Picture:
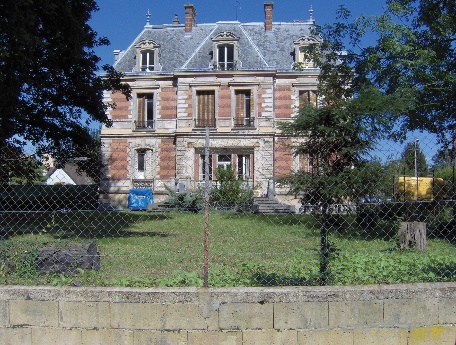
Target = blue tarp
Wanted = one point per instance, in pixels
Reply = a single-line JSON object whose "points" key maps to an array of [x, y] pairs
{"points": [[139, 198]]}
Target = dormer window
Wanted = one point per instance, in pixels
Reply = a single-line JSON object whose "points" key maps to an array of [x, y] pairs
{"points": [[225, 51], [147, 60], [303, 58], [147, 56], [225, 57]]}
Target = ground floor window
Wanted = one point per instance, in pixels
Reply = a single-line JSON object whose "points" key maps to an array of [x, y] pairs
{"points": [[240, 163]]}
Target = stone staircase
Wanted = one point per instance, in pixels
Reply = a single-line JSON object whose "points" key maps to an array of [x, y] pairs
{"points": [[268, 206]]}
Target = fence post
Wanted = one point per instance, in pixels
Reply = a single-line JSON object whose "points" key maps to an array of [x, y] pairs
{"points": [[206, 211]]}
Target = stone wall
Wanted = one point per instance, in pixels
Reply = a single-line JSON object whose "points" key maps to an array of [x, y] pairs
{"points": [[409, 314]]}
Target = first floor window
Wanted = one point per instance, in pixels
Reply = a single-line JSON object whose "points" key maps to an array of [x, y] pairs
{"points": [[205, 113], [307, 97], [243, 109], [145, 111]]}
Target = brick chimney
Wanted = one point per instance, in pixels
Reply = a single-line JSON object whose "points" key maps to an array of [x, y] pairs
{"points": [[268, 10], [190, 14]]}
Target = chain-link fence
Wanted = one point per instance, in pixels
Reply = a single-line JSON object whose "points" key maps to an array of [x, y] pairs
{"points": [[235, 217]]}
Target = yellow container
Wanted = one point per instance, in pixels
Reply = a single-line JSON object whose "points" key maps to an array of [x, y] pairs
{"points": [[408, 188]]}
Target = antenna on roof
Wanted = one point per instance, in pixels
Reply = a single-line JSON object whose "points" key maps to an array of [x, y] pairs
{"points": [[148, 18], [237, 6], [311, 11]]}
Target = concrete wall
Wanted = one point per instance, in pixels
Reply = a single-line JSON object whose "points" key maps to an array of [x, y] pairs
{"points": [[411, 314]]}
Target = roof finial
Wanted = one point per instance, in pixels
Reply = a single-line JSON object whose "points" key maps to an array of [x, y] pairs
{"points": [[148, 18], [311, 11]]}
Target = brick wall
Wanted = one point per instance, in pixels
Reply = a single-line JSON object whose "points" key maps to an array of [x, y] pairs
{"points": [[122, 107], [168, 103], [408, 314], [283, 157]]}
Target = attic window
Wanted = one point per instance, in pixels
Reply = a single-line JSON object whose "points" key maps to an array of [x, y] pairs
{"points": [[303, 57], [225, 51], [147, 56]]}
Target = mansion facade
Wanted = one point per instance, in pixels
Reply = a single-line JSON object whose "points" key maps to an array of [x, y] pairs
{"points": [[237, 79]]}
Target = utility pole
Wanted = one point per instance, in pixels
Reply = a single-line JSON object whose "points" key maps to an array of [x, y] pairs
{"points": [[416, 167]]}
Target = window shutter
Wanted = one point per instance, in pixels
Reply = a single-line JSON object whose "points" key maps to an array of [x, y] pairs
{"points": [[240, 109], [206, 109], [141, 109]]}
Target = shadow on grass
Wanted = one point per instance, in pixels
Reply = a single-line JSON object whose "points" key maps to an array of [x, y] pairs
{"points": [[76, 224]]}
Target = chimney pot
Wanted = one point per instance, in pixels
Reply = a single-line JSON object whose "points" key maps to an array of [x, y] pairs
{"points": [[190, 14], [268, 11]]}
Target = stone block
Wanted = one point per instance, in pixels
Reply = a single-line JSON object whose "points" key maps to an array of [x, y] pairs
{"points": [[434, 335], [212, 338], [447, 310], [15, 336], [108, 336], [34, 313], [246, 316], [158, 338], [181, 316], [52, 336], [156, 316], [303, 315], [287, 337], [84, 314], [411, 312], [375, 336], [355, 313], [136, 315], [325, 337], [4, 318]]}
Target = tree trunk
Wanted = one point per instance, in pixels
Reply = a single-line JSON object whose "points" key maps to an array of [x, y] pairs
{"points": [[412, 233]]}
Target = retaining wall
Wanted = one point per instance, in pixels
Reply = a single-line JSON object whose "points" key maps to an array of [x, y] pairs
{"points": [[409, 314]]}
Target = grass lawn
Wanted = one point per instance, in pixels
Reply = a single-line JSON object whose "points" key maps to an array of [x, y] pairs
{"points": [[166, 249]]}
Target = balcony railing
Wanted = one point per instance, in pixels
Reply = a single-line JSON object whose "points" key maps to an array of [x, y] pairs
{"points": [[201, 123], [247, 122], [144, 125]]}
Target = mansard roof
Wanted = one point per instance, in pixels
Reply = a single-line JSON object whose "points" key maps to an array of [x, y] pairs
{"points": [[180, 51]]}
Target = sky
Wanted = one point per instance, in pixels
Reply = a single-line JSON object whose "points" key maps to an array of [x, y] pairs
{"points": [[121, 21]]}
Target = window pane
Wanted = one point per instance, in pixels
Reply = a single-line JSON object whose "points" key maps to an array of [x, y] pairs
{"points": [[141, 161]]}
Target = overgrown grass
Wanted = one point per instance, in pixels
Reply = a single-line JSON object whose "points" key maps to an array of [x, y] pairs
{"points": [[166, 249]]}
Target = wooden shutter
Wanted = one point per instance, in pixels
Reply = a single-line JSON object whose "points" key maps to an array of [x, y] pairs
{"points": [[206, 109], [239, 114], [141, 120]]}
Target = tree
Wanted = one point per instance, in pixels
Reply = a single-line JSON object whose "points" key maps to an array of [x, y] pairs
{"points": [[413, 62], [409, 159], [48, 72]]}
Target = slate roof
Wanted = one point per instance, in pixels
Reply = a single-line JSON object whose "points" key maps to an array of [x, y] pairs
{"points": [[181, 51]]}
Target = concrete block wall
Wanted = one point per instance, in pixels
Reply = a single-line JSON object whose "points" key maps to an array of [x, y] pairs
{"points": [[409, 314]]}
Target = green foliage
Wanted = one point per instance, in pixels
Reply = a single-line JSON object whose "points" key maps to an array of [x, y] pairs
{"points": [[192, 201], [411, 65], [230, 192], [408, 160], [49, 76]]}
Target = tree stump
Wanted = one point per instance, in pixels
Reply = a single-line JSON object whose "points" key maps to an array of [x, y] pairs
{"points": [[68, 258], [412, 233]]}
